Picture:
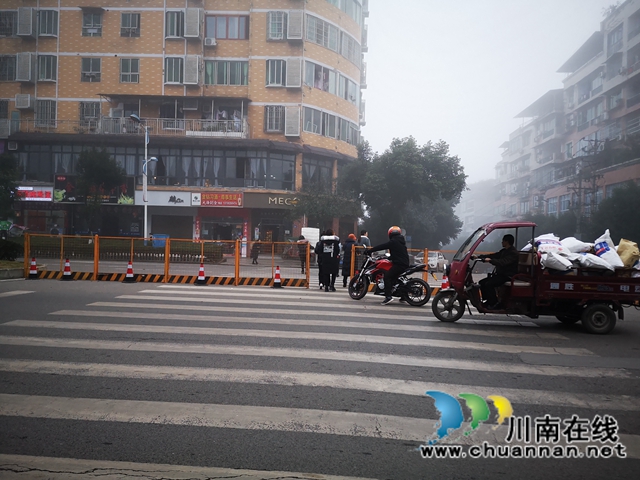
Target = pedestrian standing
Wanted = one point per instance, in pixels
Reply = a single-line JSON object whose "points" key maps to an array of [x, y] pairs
{"points": [[302, 251], [364, 239], [255, 252], [318, 251], [330, 252], [348, 249], [54, 230]]}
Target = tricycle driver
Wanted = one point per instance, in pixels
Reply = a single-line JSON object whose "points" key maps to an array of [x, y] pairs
{"points": [[506, 263]]}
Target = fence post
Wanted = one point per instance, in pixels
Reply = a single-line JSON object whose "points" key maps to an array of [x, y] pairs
{"points": [[96, 256], [131, 253], [167, 254], [425, 273], [308, 263], [237, 266]]}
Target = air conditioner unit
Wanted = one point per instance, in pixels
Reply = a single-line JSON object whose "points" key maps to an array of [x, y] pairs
{"points": [[190, 104], [210, 42], [23, 101], [12, 145]]}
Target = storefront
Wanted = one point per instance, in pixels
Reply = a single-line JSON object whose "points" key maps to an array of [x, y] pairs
{"points": [[269, 219], [169, 212], [37, 211]]}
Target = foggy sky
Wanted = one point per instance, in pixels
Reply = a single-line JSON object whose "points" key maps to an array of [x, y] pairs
{"points": [[459, 71]]}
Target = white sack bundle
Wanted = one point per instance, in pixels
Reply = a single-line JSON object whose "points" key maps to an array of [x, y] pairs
{"points": [[576, 246], [593, 261], [549, 243], [604, 248], [555, 262]]}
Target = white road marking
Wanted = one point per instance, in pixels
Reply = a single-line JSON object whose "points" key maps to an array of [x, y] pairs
{"points": [[346, 382], [392, 315], [322, 323], [280, 334], [15, 292], [64, 468], [311, 354], [245, 417]]}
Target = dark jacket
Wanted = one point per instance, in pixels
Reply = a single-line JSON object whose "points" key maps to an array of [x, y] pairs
{"points": [[302, 248], [329, 254], [347, 253], [505, 261], [398, 249], [317, 251], [255, 250]]}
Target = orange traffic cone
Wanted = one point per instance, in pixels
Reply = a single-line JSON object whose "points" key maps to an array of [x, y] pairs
{"points": [[445, 282], [66, 275], [201, 278], [277, 282], [33, 270], [129, 277]]}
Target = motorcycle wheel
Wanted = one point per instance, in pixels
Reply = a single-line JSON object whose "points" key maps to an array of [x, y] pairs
{"points": [[445, 308], [358, 287], [418, 292]]}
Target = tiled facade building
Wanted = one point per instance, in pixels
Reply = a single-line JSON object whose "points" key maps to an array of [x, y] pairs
{"points": [[245, 101], [548, 165]]}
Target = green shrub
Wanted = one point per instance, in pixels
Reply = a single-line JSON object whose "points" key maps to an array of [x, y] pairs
{"points": [[10, 250]]}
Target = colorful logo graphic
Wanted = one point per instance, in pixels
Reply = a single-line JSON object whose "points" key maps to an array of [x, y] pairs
{"points": [[452, 417]]}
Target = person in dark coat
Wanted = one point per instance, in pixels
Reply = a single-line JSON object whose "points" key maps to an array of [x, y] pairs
{"points": [[255, 252], [347, 254], [330, 254], [506, 263], [399, 257], [319, 260], [302, 251]]}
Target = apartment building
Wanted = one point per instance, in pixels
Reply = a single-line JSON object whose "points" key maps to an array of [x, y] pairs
{"points": [[549, 165], [242, 103]]}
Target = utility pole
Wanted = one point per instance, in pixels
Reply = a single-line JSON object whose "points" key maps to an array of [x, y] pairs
{"points": [[591, 151]]}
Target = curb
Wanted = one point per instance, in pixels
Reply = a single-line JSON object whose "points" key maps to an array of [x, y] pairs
{"points": [[7, 273]]}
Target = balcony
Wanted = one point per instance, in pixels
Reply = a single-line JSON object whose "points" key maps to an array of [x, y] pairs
{"points": [[633, 100], [633, 32], [365, 33], [616, 47], [174, 127], [363, 75], [365, 8]]}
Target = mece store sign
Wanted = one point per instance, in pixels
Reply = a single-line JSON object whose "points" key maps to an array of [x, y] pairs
{"points": [[35, 194], [217, 199]]}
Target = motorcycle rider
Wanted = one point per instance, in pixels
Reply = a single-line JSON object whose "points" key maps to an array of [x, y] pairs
{"points": [[399, 258]]}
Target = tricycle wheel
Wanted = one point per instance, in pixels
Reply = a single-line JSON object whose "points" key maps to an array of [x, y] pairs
{"points": [[418, 292], [598, 318], [358, 287], [568, 319], [447, 307]]}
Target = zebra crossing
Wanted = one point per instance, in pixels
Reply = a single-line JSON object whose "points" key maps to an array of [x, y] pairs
{"points": [[290, 366]]}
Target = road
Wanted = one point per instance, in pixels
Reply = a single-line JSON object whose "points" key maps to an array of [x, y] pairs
{"points": [[112, 380]]}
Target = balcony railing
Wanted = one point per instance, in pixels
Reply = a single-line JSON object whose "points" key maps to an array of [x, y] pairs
{"points": [[168, 127], [633, 100], [616, 47], [633, 32]]}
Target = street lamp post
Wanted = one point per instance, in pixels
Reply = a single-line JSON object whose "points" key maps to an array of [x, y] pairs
{"points": [[145, 201]]}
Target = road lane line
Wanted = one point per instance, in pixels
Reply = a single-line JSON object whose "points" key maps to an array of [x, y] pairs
{"points": [[15, 292], [282, 334], [322, 323], [392, 315], [64, 468], [348, 382], [244, 417], [314, 354]]}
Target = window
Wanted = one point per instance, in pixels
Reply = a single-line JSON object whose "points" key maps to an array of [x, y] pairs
{"points": [[8, 23], [281, 168], [7, 68], [569, 150], [130, 25], [45, 113], [220, 72], [317, 172], [320, 77], [227, 27], [350, 49], [47, 67], [276, 72], [89, 111], [322, 33], [90, 70], [347, 90], [48, 23], [174, 24], [92, 24], [276, 25], [552, 206], [329, 125], [524, 207], [312, 120], [565, 203], [4, 109], [274, 118], [129, 70], [350, 7], [173, 70]]}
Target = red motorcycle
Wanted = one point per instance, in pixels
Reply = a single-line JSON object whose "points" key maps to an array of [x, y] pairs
{"points": [[414, 291]]}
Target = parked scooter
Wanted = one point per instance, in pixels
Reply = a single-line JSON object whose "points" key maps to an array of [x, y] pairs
{"points": [[414, 291]]}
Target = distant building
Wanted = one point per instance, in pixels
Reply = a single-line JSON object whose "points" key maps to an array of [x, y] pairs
{"points": [[549, 165], [476, 206], [246, 103]]}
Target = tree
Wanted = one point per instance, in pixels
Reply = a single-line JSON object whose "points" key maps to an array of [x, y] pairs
{"points": [[9, 176], [98, 175], [415, 187], [619, 214], [321, 207]]}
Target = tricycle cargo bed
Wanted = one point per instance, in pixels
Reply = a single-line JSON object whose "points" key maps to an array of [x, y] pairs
{"points": [[591, 284]]}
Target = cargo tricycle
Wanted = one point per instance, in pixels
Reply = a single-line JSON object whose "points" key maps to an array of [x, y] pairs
{"points": [[595, 297]]}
